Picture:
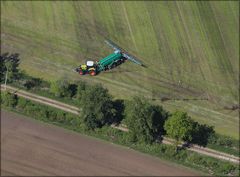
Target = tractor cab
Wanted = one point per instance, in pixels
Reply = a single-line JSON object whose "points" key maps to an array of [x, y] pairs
{"points": [[88, 68]]}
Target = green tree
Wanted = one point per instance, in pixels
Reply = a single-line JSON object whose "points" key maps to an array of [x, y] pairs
{"points": [[144, 120], [81, 87], [12, 65], [202, 133], [9, 65], [97, 107], [60, 88], [180, 126], [3, 58]]}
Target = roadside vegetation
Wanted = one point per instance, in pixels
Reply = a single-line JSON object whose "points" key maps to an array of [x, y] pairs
{"points": [[70, 121], [147, 122]]}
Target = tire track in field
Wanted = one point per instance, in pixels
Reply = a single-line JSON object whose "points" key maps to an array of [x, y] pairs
{"points": [[129, 26], [215, 40]]}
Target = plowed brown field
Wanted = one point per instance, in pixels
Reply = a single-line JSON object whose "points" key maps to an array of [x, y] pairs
{"points": [[31, 148]]}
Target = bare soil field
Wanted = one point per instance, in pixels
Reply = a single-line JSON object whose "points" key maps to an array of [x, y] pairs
{"points": [[29, 147]]}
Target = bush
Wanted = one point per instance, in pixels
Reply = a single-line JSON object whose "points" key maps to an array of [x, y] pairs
{"points": [[9, 99], [60, 88], [170, 151], [226, 169], [60, 116], [22, 103], [33, 83], [181, 155], [222, 140], [81, 88]]}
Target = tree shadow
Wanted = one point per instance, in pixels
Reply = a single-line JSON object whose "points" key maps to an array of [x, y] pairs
{"points": [[202, 134], [73, 89], [119, 106]]}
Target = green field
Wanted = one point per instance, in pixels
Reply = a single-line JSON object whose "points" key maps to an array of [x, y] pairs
{"points": [[191, 49]]}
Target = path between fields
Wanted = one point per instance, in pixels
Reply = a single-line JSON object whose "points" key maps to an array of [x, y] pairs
{"points": [[75, 110]]}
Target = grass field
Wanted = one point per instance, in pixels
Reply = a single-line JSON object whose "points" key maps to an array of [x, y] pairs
{"points": [[190, 49]]}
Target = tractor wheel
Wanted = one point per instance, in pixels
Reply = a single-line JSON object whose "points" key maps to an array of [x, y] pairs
{"points": [[81, 72], [92, 73]]}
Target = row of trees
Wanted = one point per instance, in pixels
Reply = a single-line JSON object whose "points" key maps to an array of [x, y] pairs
{"points": [[146, 122]]}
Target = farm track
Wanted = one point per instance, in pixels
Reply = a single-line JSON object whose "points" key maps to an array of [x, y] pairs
{"points": [[75, 110], [43, 100]]}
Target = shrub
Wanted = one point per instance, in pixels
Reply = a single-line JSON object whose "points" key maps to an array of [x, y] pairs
{"points": [[60, 88], [81, 88], [222, 140], [33, 83], [170, 152], [22, 103], [181, 155], [226, 169], [60, 116], [9, 99]]}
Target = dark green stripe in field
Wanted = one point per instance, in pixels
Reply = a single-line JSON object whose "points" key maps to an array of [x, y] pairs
{"points": [[190, 48]]}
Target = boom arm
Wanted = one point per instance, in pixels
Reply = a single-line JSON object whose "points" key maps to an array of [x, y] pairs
{"points": [[125, 54], [129, 57], [111, 44]]}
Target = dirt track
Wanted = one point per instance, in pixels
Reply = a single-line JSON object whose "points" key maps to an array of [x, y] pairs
{"points": [[31, 148]]}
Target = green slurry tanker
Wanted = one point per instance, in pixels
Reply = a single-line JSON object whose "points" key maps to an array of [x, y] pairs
{"points": [[111, 61]]}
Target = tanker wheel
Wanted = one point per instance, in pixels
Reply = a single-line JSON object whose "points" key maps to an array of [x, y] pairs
{"points": [[113, 65], [120, 62], [92, 73]]}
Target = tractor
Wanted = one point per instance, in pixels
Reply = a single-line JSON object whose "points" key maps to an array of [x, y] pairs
{"points": [[118, 57]]}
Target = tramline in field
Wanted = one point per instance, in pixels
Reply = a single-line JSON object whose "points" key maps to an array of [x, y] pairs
{"points": [[111, 61]]}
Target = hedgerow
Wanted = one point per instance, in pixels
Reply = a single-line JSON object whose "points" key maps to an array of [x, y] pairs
{"points": [[74, 122]]}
